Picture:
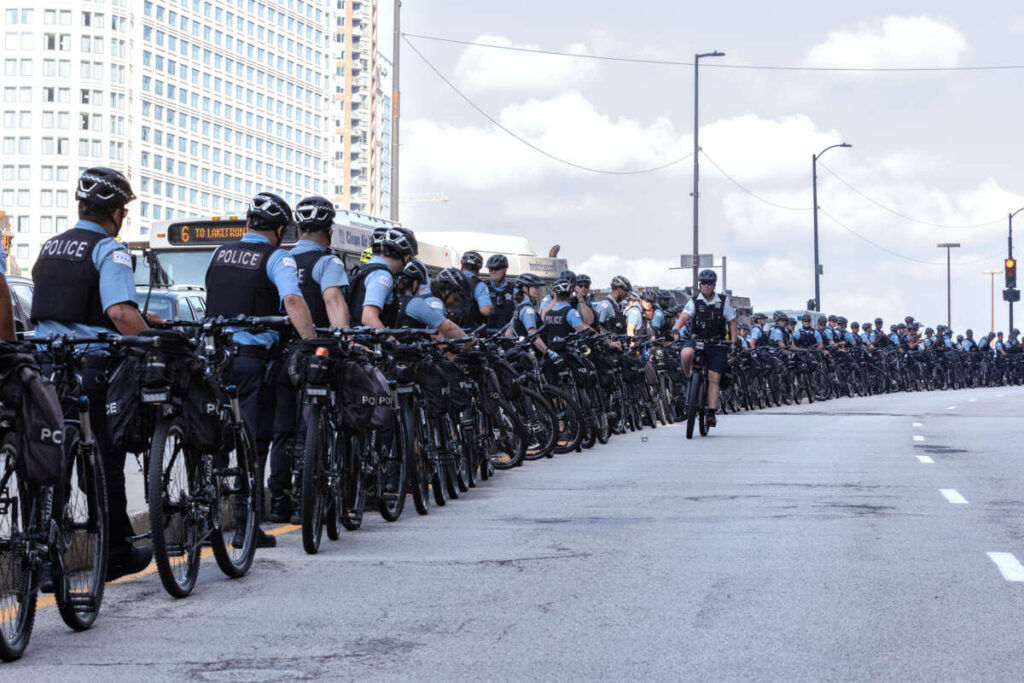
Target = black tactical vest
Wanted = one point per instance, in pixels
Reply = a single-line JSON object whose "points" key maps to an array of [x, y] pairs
{"points": [[517, 324], [709, 319], [504, 305], [556, 325], [806, 339], [67, 284], [237, 282], [617, 322], [311, 290], [357, 294], [466, 313]]}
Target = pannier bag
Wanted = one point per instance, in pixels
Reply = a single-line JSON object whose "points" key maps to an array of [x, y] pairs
{"points": [[458, 393], [40, 423], [126, 420], [508, 377], [365, 396], [205, 426], [435, 386]]}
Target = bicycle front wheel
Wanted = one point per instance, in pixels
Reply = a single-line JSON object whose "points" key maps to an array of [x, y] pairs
{"points": [[18, 574], [315, 481], [235, 504], [175, 534], [79, 557]]}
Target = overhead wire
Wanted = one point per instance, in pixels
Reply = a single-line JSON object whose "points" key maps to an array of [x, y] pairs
{"points": [[749, 191], [528, 143], [717, 65]]}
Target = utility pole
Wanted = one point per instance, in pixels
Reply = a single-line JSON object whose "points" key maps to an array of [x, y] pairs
{"points": [[817, 264], [696, 157], [395, 110], [992, 313], [949, 289], [1009, 257]]}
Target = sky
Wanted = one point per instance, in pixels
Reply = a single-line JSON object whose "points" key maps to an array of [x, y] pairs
{"points": [[937, 147]]}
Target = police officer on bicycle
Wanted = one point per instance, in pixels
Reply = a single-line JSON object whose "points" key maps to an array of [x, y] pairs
{"points": [[712, 315], [255, 277], [85, 285]]}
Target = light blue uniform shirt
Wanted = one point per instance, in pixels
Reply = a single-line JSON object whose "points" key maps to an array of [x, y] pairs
{"points": [[282, 272], [380, 286], [573, 317], [658, 319], [894, 338], [117, 283], [634, 315], [968, 344], [603, 309], [776, 336], [529, 317], [545, 301], [756, 333], [328, 272], [428, 310], [849, 338], [480, 293]]}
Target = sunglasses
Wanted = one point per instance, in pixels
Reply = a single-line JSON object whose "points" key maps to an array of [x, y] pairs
{"points": [[707, 283]]}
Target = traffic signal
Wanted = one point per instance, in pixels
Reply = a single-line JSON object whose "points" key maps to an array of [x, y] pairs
{"points": [[1010, 267]]}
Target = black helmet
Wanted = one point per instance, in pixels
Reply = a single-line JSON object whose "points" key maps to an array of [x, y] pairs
{"points": [[867, 323], [649, 295], [959, 337], [472, 260], [806, 318], [567, 275], [903, 326], [790, 321], [267, 211], [104, 188], [528, 280], [447, 281], [892, 328], [706, 276], [395, 243], [582, 279], [840, 321], [822, 320], [833, 318], [376, 237], [411, 237], [314, 214], [415, 270], [497, 262], [1015, 331], [620, 282], [562, 286], [759, 316], [878, 322], [929, 331], [969, 332], [855, 325]]}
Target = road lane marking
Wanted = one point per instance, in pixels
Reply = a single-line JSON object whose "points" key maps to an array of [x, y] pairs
{"points": [[971, 400], [953, 496], [1009, 566], [918, 424], [926, 459], [951, 408], [918, 437]]}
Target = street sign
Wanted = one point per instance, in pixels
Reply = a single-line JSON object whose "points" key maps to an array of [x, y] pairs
{"points": [[1011, 295], [703, 261]]}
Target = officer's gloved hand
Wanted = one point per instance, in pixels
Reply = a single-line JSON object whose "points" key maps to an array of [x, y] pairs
{"points": [[574, 301]]}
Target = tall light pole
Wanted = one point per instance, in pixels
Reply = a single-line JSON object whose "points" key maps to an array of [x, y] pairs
{"points": [[949, 296], [817, 265], [992, 312], [696, 156], [1009, 255], [395, 104]]}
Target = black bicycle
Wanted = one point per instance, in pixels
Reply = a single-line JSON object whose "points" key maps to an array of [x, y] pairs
{"points": [[697, 389]]}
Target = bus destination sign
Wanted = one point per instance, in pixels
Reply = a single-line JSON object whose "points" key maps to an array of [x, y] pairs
{"points": [[214, 232]]}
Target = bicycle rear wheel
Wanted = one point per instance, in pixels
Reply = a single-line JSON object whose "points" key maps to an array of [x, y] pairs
{"points": [[541, 423], [511, 442], [79, 556], [315, 481], [18, 572], [235, 482], [692, 397], [336, 460], [569, 422], [175, 534], [415, 459], [392, 481]]}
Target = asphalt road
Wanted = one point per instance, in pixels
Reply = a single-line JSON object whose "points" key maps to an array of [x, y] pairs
{"points": [[805, 543]]}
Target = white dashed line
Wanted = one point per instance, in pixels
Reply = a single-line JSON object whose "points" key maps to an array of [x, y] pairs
{"points": [[918, 424], [971, 400], [926, 459], [953, 496], [918, 437], [1009, 566], [951, 408]]}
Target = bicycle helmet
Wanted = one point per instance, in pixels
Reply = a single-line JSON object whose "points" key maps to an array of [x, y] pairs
{"points": [[447, 281], [806, 318], [104, 188], [415, 270], [1015, 331], [567, 275], [878, 323], [790, 321], [582, 280], [928, 331], [959, 338], [778, 315], [366, 255], [969, 332], [892, 328], [833, 318], [707, 276], [903, 326], [650, 295], [855, 325], [376, 237], [840, 321], [620, 282], [472, 260], [268, 211], [562, 286], [529, 280], [497, 262], [411, 237], [395, 244], [314, 214]]}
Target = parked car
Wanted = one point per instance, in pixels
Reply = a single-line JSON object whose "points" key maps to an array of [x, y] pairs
{"points": [[177, 302], [21, 295]]}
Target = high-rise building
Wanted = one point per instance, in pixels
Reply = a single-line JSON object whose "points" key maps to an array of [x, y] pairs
{"points": [[201, 102], [358, 102]]}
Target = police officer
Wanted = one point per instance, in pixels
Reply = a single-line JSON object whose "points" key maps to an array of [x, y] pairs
{"points": [[855, 331], [322, 281], [412, 281], [255, 277], [84, 285], [429, 310], [372, 300], [526, 320], [609, 311], [827, 338], [712, 315], [807, 337], [475, 305], [561, 319], [757, 332], [581, 290], [968, 343], [779, 334], [500, 292]]}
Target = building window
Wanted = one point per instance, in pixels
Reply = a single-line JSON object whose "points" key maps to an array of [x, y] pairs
{"points": [[46, 224], [46, 198]]}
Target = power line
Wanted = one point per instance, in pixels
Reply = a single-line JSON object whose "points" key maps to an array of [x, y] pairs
{"points": [[712, 65], [526, 142], [902, 215], [897, 254], [751, 192]]}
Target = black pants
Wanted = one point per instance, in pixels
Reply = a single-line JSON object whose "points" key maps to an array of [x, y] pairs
{"points": [[288, 426], [94, 383], [256, 400]]}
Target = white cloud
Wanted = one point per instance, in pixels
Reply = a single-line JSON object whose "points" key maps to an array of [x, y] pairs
{"points": [[897, 42], [483, 69]]}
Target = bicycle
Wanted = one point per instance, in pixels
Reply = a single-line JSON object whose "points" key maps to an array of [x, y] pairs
{"points": [[697, 388]]}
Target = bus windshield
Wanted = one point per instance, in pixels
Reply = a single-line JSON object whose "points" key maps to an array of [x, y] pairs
{"points": [[186, 267]]}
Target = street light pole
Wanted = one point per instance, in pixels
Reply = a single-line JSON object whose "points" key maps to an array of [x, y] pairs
{"points": [[395, 103], [949, 296], [1009, 254], [817, 265], [696, 155], [992, 312]]}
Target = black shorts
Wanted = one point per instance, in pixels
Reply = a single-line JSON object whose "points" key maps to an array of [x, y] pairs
{"points": [[715, 356]]}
